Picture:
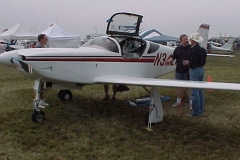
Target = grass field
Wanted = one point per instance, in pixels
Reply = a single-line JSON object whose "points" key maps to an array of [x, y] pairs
{"points": [[90, 128]]}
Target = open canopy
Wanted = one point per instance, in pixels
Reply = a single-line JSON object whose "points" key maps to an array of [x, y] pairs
{"points": [[19, 32], [126, 24], [58, 38]]}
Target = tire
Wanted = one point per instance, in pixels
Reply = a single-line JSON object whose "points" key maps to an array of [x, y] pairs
{"points": [[38, 116], [59, 93], [65, 95]]}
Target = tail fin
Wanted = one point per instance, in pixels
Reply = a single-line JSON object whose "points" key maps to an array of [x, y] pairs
{"points": [[203, 30], [229, 44]]}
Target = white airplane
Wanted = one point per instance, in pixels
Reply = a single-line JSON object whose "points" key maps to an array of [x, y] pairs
{"points": [[120, 58], [227, 47]]}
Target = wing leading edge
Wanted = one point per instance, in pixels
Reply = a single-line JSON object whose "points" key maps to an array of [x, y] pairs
{"points": [[167, 83]]}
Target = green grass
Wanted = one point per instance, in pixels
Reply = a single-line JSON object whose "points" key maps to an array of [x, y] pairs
{"points": [[90, 128]]}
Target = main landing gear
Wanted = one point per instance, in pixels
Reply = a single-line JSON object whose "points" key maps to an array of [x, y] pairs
{"points": [[37, 115], [65, 95], [155, 110]]}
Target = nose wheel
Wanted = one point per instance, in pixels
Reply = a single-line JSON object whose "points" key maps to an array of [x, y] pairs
{"points": [[65, 95], [38, 116]]}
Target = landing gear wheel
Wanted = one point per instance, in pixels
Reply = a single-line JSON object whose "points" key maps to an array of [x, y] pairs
{"points": [[65, 95], [38, 116]]}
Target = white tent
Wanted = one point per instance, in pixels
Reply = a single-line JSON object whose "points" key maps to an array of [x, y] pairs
{"points": [[19, 32], [58, 38]]}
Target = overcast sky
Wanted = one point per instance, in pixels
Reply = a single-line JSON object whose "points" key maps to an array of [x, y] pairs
{"points": [[172, 17]]}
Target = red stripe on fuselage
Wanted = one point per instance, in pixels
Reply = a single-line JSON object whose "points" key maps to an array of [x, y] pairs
{"points": [[89, 59]]}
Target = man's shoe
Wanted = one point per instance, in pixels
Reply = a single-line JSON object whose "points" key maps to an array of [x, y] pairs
{"points": [[43, 103], [107, 97], [175, 104], [41, 106], [192, 115]]}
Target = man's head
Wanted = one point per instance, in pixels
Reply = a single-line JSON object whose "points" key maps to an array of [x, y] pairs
{"points": [[184, 40], [42, 39], [193, 42], [195, 38]]}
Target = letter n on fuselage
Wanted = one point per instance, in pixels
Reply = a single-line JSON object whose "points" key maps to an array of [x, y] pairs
{"points": [[157, 59]]}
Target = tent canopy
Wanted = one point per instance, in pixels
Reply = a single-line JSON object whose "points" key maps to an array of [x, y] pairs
{"points": [[19, 32], [155, 36], [149, 33], [58, 38], [162, 38]]}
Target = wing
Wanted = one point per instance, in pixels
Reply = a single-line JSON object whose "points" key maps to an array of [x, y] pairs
{"points": [[167, 83], [221, 55]]}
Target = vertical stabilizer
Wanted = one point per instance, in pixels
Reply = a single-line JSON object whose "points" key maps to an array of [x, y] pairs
{"points": [[203, 30], [229, 44]]}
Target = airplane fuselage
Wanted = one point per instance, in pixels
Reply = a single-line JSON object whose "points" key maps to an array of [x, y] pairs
{"points": [[84, 65], [215, 48]]}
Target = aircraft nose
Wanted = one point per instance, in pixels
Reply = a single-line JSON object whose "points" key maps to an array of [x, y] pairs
{"points": [[7, 57]]}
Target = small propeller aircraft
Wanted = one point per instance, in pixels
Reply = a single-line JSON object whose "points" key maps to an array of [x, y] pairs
{"points": [[215, 43], [120, 58], [227, 47]]}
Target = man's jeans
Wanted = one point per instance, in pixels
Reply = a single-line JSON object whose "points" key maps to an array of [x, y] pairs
{"points": [[197, 74]]}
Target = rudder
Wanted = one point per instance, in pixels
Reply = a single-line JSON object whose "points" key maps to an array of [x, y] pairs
{"points": [[203, 30], [229, 44]]}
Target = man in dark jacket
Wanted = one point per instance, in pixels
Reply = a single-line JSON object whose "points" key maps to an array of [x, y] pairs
{"points": [[196, 60], [182, 72]]}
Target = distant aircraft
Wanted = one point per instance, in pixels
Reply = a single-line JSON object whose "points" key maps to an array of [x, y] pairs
{"points": [[215, 43], [6, 46], [120, 58], [227, 47]]}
